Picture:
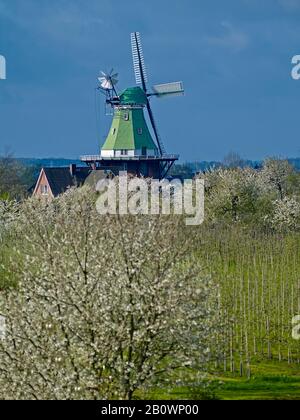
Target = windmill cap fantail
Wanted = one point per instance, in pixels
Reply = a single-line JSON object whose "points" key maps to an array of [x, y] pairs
{"points": [[133, 96]]}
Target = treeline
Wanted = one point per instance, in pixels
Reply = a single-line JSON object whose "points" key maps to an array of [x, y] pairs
{"points": [[268, 198], [232, 160], [16, 179]]}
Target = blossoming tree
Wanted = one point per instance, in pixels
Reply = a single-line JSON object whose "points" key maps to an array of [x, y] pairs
{"points": [[105, 305]]}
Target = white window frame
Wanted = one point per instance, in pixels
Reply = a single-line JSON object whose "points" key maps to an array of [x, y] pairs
{"points": [[44, 190]]}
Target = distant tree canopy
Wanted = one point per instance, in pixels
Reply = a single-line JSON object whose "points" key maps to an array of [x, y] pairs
{"points": [[15, 178], [234, 160], [268, 197]]}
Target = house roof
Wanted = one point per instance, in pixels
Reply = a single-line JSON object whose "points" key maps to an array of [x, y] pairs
{"points": [[60, 179]]}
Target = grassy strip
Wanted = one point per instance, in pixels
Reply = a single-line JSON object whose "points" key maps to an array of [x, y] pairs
{"points": [[270, 381]]}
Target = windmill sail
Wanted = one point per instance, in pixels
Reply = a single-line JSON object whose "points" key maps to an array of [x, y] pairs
{"points": [[108, 80], [168, 89], [138, 60], [142, 79], [160, 144]]}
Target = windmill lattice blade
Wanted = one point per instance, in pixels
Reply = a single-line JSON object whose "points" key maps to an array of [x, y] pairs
{"points": [[159, 141], [169, 89], [138, 59]]}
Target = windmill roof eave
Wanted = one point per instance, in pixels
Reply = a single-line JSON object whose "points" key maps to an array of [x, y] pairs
{"points": [[133, 96]]}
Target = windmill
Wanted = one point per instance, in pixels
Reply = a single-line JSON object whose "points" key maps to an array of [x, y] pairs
{"points": [[129, 144]]}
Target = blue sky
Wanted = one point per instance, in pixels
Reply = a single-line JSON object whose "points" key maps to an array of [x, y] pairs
{"points": [[234, 57]]}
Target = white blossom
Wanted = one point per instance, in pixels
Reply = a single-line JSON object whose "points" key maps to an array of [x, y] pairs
{"points": [[105, 305]]}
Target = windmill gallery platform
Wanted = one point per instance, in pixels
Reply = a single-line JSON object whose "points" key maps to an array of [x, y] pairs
{"points": [[146, 166]]}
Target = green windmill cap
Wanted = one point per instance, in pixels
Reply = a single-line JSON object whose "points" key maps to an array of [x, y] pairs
{"points": [[133, 96]]}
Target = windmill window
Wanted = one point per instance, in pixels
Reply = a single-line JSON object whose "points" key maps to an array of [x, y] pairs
{"points": [[114, 131], [140, 131], [126, 116], [124, 152]]}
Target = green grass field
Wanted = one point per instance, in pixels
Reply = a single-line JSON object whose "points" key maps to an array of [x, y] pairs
{"points": [[270, 381], [259, 276]]}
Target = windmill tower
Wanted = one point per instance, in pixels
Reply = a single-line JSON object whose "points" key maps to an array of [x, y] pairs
{"points": [[130, 146]]}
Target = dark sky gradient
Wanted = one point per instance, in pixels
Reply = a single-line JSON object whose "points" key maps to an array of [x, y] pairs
{"points": [[234, 57]]}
